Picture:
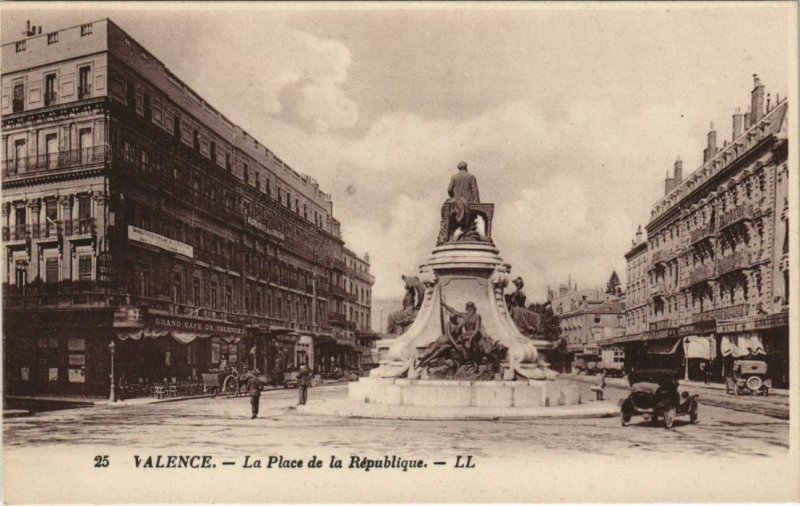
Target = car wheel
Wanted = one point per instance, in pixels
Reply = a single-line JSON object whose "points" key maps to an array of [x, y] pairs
{"points": [[669, 417], [624, 418], [693, 412], [754, 383]]}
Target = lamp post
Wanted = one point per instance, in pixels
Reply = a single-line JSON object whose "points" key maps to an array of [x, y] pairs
{"points": [[112, 396]]}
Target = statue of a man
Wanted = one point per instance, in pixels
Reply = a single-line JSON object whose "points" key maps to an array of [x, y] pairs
{"points": [[464, 185]]}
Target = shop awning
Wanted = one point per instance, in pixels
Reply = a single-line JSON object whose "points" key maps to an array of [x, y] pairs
{"points": [[181, 337], [664, 346], [182, 328], [704, 347], [742, 345]]}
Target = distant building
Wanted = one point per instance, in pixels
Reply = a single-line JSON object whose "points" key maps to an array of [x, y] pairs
{"points": [[591, 321]]}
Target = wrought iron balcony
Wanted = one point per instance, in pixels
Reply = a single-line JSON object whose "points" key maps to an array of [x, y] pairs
{"points": [[735, 261], [337, 319], [60, 160], [737, 214], [84, 91], [16, 233], [50, 98], [700, 273], [702, 232], [83, 226]]}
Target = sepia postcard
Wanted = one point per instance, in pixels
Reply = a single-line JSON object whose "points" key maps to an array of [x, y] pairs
{"points": [[400, 252]]}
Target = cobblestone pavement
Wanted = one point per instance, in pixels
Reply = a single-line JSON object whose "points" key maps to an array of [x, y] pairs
{"points": [[223, 426]]}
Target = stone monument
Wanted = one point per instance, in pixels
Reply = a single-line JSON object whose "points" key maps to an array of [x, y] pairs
{"points": [[463, 334]]}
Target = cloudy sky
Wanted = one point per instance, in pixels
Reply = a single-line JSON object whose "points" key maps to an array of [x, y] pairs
{"points": [[569, 115]]}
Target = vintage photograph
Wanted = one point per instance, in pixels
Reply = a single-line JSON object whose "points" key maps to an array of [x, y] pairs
{"points": [[399, 252]]}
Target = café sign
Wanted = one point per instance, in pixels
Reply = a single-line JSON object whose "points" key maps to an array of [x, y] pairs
{"points": [[159, 241], [201, 327]]}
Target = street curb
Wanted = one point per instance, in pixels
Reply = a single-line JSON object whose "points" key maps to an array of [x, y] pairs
{"points": [[623, 383]]}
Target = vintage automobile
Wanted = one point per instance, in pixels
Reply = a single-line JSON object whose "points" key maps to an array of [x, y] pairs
{"points": [[750, 377], [655, 394]]}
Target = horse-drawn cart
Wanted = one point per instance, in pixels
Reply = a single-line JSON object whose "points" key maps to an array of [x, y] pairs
{"points": [[228, 382]]}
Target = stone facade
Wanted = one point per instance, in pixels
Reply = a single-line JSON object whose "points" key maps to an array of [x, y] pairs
{"points": [[132, 205], [718, 246]]}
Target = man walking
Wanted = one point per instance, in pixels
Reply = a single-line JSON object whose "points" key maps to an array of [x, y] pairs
{"points": [[254, 391], [303, 381]]}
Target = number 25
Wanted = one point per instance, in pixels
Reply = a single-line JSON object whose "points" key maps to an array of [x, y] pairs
{"points": [[101, 461]]}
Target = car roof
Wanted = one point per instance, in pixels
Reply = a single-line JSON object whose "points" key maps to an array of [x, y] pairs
{"points": [[659, 376]]}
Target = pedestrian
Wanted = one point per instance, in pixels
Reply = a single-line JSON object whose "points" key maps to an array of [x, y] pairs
{"points": [[303, 382], [707, 375], [600, 385], [254, 391]]}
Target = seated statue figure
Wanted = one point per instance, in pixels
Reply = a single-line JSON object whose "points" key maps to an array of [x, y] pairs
{"points": [[526, 320], [459, 223], [412, 301]]}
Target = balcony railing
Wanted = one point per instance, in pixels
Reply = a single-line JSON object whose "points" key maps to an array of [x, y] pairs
{"points": [[739, 213], [337, 319], [48, 230], [664, 323], [50, 98], [700, 273], [55, 161], [83, 226], [16, 233], [74, 294], [735, 261], [84, 91], [338, 291], [702, 232], [723, 313]]}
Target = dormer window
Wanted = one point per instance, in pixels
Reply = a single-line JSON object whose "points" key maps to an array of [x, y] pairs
{"points": [[52, 38]]}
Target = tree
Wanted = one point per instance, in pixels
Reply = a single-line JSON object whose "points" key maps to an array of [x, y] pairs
{"points": [[612, 287]]}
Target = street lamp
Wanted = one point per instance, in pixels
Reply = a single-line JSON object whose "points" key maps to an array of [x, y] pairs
{"points": [[112, 396]]}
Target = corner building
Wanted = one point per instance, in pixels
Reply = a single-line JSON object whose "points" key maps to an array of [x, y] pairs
{"points": [[135, 213], [718, 253]]}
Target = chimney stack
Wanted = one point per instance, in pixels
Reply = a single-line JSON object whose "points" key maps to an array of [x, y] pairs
{"points": [[747, 122], [677, 170], [738, 123], [668, 184], [769, 99], [756, 101], [711, 148], [639, 235]]}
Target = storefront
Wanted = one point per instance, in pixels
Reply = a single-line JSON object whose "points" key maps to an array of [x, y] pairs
{"points": [[66, 354], [171, 348], [760, 337], [304, 352]]}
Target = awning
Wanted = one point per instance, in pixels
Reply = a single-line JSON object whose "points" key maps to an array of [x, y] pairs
{"points": [[742, 345], [181, 337], [663, 347], [704, 347]]}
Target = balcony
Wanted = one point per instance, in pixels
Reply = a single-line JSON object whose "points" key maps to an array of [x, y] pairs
{"points": [[48, 230], [733, 262], [84, 91], [50, 98], [700, 273], [337, 319], [338, 291], [39, 164], [16, 233], [658, 256], [83, 226], [723, 313], [74, 295], [739, 213], [339, 265], [702, 232], [17, 105], [657, 289], [663, 323]]}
